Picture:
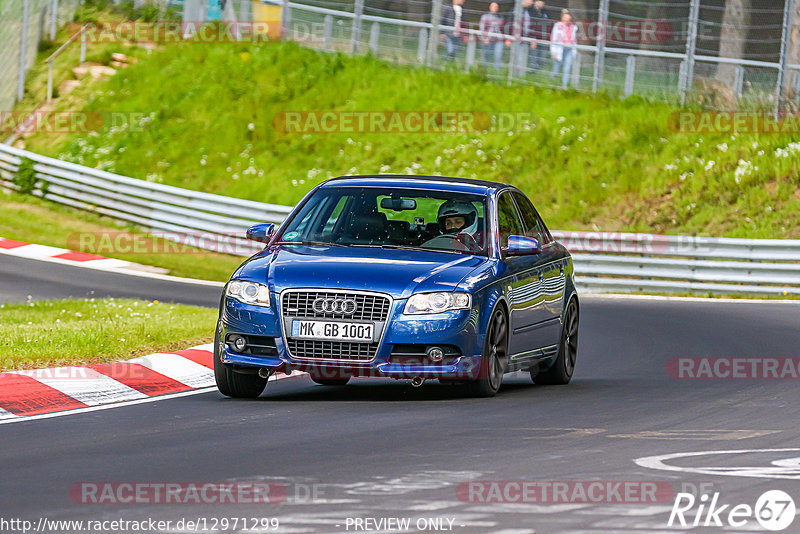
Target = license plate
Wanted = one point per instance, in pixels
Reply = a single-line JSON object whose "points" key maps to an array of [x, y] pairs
{"points": [[333, 331]]}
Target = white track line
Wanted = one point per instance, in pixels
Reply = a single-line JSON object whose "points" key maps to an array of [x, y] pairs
{"points": [[623, 296]]}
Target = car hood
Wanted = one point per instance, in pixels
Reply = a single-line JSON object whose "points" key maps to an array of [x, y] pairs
{"points": [[398, 272]]}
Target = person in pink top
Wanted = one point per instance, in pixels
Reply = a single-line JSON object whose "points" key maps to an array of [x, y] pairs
{"points": [[565, 34]]}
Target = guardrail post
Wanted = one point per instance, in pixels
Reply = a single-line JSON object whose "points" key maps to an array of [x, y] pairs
{"points": [[422, 45], [472, 46], [516, 31], [433, 43], [785, 37], [600, 53], [23, 50], [374, 37], [327, 30], [630, 73], [53, 19], [356, 33], [691, 45]]}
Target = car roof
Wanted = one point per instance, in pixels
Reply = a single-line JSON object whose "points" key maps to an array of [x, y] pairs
{"points": [[445, 183]]}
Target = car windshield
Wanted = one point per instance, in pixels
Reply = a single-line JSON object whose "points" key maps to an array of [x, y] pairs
{"points": [[390, 218]]}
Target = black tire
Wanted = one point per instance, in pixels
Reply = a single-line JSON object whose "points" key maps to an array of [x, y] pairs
{"points": [[236, 385], [493, 359], [561, 371], [331, 381]]}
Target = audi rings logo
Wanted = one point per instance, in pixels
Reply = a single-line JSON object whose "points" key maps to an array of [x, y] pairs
{"points": [[338, 306]]}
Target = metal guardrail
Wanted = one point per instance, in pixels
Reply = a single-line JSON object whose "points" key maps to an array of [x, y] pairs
{"points": [[604, 261], [205, 220]]}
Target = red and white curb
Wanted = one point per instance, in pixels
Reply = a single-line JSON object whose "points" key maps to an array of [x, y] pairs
{"points": [[90, 261], [40, 391], [31, 393]]}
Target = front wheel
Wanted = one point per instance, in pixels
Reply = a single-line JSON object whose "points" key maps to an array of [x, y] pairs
{"points": [[561, 371], [232, 384], [493, 359]]}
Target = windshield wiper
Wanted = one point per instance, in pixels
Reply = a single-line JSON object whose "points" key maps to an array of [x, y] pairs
{"points": [[311, 243]]}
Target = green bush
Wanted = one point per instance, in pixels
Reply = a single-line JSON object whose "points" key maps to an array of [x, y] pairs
{"points": [[25, 178]]}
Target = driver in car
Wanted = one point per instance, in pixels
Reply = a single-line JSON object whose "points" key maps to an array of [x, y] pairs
{"points": [[459, 220]]}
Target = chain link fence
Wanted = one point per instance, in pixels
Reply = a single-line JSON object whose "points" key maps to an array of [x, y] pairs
{"points": [[23, 25], [723, 54]]}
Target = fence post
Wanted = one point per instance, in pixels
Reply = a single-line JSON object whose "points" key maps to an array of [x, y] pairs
{"points": [[433, 43], [83, 45], [472, 46], [738, 81], [576, 67], [691, 45], [374, 37], [53, 19], [600, 53], [517, 33], [785, 36], [630, 73], [327, 30], [422, 45], [23, 50], [286, 16], [356, 33]]}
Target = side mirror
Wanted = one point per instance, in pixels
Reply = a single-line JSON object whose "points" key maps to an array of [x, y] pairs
{"points": [[261, 232], [522, 246]]}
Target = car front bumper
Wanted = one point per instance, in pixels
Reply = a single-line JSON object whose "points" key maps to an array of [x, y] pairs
{"points": [[458, 330]]}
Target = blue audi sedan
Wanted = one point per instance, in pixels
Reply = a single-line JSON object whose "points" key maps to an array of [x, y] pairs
{"points": [[406, 277]]}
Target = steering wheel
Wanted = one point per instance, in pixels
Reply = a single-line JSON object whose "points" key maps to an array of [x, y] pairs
{"points": [[462, 242]]}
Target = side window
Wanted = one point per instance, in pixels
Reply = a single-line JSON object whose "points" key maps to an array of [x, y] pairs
{"points": [[507, 219], [533, 224]]}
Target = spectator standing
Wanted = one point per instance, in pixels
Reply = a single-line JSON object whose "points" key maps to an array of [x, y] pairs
{"points": [[451, 18], [536, 23], [565, 34], [492, 23]]}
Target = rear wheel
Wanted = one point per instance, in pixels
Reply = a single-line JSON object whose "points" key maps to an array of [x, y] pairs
{"points": [[232, 384], [493, 359], [561, 371]]}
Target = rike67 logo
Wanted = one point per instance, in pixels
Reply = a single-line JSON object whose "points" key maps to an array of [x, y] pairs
{"points": [[774, 510]]}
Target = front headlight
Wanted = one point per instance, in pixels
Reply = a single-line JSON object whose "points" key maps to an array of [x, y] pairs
{"points": [[248, 292], [437, 302]]}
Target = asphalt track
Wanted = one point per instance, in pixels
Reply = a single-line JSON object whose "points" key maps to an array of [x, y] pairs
{"points": [[381, 449]]}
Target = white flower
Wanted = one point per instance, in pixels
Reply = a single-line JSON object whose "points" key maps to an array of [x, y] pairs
{"points": [[670, 167], [710, 164], [251, 127], [723, 147]]}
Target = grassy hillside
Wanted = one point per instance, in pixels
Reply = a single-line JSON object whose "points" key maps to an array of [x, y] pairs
{"points": [[586, 161]]}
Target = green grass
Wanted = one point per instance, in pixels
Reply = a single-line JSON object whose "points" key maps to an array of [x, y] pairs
{"points": [[77, 332], [26, 218], [588, 162]]}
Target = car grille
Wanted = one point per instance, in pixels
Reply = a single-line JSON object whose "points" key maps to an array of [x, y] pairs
{"points": [[368, 307], [337, 350]]}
